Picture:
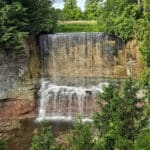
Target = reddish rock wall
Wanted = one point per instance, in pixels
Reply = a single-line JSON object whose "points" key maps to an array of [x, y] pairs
{"points": [[17, 109]]}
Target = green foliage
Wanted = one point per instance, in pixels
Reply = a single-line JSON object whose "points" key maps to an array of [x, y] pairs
{"points": [[91, 9], [143, 140], [41, 16], [2, 3], [60, 14], [3, 145], [12, 23], [144, 32], [119, 17], [120, 119], [44, 140], [18, 18], [71, 10], [145, 82], [127, 19], [81, 136]]}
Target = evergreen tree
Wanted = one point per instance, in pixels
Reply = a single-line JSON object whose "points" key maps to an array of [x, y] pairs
{"points": [[120, 119], [12, 24], [20, 18], [41, 16], [81, 136], [71, 10], [44, 140]]}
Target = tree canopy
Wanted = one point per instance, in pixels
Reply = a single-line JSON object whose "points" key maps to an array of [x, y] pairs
{"points": [[120, 119], [13, 22], [91, 9], [71, 10], [127, 19], [20, 18]]}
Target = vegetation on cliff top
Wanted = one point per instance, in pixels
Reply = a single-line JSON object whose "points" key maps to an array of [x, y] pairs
{"points": [[128, 19], [20, 18]]}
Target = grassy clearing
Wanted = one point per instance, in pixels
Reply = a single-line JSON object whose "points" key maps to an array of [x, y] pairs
{"points": [[78, 22], [77, 26]]}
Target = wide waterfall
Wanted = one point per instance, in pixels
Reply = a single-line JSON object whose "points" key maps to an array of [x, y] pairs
{"points": [[65, 102], [74, 66]]}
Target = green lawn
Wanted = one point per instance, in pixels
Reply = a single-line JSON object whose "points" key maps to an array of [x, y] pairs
{"points": [[77, 26]]}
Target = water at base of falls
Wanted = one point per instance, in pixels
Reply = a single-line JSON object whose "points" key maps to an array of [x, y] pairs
{"points": [[66, 102]]}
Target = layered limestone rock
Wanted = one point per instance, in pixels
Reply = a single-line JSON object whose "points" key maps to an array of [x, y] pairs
{"points": [[129, 61], [89, 56], [19, 72]]}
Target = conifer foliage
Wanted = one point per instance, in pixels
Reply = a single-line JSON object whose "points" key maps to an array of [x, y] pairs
{"points": [[121, 118], [12, 23], [81, 136], [21, 18], [44, 140]]}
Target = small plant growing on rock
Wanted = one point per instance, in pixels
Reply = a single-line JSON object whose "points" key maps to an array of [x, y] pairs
{"points": [[3, 145]]}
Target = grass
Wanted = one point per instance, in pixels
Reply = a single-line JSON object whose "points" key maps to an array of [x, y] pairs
{"points": [[77, 26]]}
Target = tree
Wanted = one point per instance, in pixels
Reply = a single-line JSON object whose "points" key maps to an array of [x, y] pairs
{"points": [[81, 136], [60, 14], [91, 9], [12, 23], [2, 3], [44, 140], [21, 18], [119, 17], [120, 119], [71, 10], [41, 16], [144, 32]]}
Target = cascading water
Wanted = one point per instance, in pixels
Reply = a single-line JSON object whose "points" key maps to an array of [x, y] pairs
{"points": [[65, 102], [72, 73]]}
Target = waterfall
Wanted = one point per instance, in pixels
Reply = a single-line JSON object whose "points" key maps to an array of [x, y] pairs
{"points": [[72, 69], [65, 102]]}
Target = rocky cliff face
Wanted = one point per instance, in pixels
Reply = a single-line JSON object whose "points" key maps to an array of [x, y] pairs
{"points": [[19, 72], [85, 57], [18, 69]]}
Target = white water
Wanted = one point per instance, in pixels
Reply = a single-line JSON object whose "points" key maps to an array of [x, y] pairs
{"points": [[63, 57], [66, 102]]}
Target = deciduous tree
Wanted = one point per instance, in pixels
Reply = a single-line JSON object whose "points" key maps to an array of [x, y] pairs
{"points": [[91, 9], [71, 10]]}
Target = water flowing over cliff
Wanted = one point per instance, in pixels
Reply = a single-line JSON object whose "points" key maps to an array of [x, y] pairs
{"points": [[73, 69], [78, 55], [61, 80]]}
